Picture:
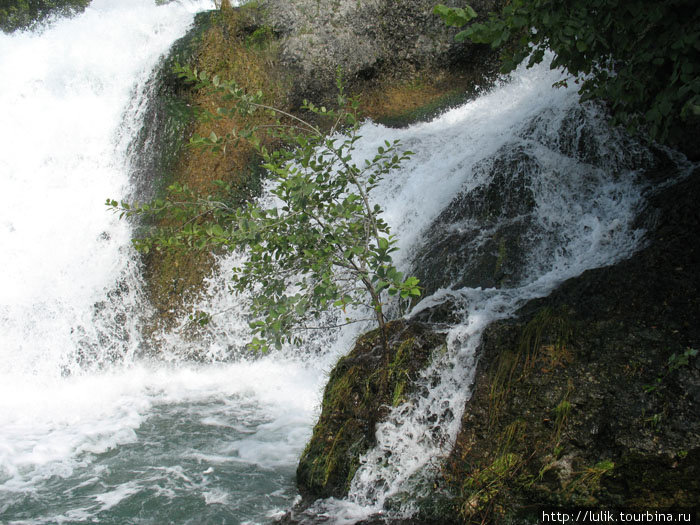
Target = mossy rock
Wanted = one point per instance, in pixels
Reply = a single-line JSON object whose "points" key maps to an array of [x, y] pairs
{"points": [[228, 42], [582, 398], [247, 44], [361, 390], [23, 14]]}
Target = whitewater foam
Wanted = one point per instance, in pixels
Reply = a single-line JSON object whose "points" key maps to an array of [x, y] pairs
{"points": [[117, 434]]}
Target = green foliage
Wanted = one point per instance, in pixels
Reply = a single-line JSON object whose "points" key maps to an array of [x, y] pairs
{"points": [[674, 362], [640, 57], [260, 38], [455, 16], [587, 481], [356, 398], [561, 413], [323, 243], [677, 361], [26, 12]]}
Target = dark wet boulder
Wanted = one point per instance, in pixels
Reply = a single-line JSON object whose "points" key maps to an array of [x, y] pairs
{"points": [[490, 234], [482, 237], [361, 390], [591, 396]]}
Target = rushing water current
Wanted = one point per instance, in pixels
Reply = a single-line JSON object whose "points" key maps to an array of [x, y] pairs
{"points": [[91, 432]]}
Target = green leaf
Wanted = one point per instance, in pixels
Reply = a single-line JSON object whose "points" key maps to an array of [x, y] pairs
{"points": [[454, 16]]}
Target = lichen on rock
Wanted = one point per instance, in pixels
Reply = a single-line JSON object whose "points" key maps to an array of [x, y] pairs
{"points": [[367, 38]]}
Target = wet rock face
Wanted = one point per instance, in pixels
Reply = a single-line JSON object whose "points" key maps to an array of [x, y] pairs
{"points": [[488, 234], [361, 390], [482, 237], [591, 396], [366, 38]]}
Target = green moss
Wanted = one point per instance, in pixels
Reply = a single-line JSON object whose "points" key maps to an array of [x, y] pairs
{"points": [[583, 489], [489, 486], [260, 39], [424, 112], [398, 397], [546, 338], [517, 451], [540, 450], [325, 461], [217, 44], [360, 389], [574, 375], [26, 13], [483, 488], [561, 414], [544, 345], [399, 102]]}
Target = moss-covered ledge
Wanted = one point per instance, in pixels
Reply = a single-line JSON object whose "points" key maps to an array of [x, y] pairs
{"points": [[361, 390], [591, 396], [234, 44]]}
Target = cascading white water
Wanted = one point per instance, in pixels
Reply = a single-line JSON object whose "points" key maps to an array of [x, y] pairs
{"points": [[586, 197], [70, 299], [90, 432], [582, 219]]}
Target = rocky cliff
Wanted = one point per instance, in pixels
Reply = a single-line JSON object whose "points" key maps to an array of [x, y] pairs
{"points": [[370, 40], [588, 397]]}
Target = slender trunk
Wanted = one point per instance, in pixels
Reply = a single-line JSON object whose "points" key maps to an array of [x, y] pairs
{"points": [[381, 321], [378, 312], [382, 327]]}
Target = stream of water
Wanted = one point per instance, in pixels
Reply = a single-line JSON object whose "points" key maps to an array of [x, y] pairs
{"points": [[90, 432]]}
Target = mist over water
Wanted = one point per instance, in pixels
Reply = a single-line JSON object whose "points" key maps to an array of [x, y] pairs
{"points": [[91, 432]]}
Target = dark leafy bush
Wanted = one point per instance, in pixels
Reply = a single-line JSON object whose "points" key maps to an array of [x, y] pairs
{"points": [[640, 57]]}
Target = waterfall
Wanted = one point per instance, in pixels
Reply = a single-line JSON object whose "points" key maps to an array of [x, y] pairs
{"points": [[525, 163], [574, 207], [90, 431]]}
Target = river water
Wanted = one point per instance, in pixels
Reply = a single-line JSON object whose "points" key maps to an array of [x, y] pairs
{"points": [[92, 433]]}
